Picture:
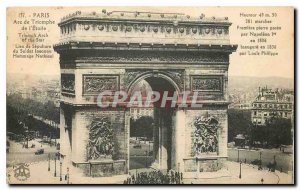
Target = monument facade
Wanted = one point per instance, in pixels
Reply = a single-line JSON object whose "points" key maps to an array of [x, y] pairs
{"points": [[171, 51]]}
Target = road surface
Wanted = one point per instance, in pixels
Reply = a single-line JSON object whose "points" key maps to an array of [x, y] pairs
{"points": [[284, 160]]}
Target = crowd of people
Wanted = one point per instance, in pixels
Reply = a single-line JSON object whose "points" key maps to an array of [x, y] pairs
{"points": [[156, 177]]}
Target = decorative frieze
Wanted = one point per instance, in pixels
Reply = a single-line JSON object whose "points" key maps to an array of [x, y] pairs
{"points": [[146, 28], [145, 22], [161, 57], [206, 83], [131, 75], [68, 83], [94, 84], [176, 75]]}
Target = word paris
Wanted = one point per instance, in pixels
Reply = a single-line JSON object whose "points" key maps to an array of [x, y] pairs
{"points": [[138, 99]]}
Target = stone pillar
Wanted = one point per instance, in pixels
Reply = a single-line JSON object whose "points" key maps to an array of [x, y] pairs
{"points": [[160, 140], [156, 139], [127, 137], [80, 138], [178, 142], [65, 134], [223, 135], [163, 147], [63, 137]]}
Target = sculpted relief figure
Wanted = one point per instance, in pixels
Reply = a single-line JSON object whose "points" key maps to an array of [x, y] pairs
{"points": [[100, 140], [205, 135]]}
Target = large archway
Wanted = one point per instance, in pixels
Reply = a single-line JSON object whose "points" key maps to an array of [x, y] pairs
{"points": [[162, 128]]}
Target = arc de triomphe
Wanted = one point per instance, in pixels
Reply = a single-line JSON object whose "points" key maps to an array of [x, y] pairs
{"points": [[116, 50]]}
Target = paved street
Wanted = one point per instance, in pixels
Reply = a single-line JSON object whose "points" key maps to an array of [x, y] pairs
{"points": [[144, 146], [250, 175], [38, 167], [39, 174], [230, 174], [17, 154], [284, 160], [138, 159]]}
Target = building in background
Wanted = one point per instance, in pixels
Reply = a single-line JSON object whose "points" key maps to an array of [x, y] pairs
{"points": [[242, 106], [269, 103], [137, 112]]}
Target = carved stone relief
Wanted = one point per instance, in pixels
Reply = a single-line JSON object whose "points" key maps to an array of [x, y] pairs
{"points": [[177, 76], [130, 75], [205, 136], [206, 83], [68, 83], [101, 140], [94, 84]]}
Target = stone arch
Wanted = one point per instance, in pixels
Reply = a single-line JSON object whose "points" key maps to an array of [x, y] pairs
{"points": [[155, 74]]}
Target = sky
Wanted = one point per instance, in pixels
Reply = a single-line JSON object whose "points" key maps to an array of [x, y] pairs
{"points": [[257, 66]]}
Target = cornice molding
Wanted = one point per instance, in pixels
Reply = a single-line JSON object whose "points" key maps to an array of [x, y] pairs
{"points": [[73, 45]]}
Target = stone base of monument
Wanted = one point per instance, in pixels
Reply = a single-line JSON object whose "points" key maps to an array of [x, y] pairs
{"points": [[155, 166], [222, 173], [102, 168], [202, 167]]}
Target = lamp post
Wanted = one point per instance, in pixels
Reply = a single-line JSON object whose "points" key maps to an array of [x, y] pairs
{"points": [[60, 173], [260, 162], [68, 177], [55, 166], [50, 139], [274, 163], [260, 153], [238, 158], [135, 168], [146, 154], [240, 176], [27, 133], [49, 162], [149, 148]]}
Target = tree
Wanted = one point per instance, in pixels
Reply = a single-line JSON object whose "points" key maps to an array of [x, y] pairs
{"points": [[275, 132], [279, 131], [28, 106], [21, 110], [238, 123], [13, 117], [142, 127]]}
